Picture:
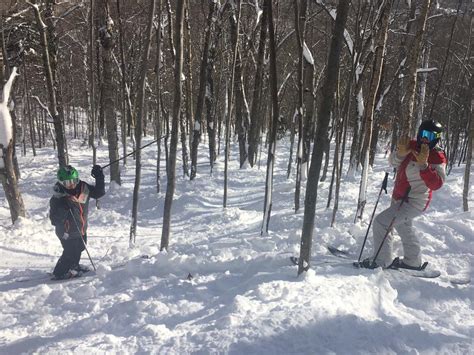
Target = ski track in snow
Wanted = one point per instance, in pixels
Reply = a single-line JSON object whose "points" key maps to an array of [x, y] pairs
{"points": [[244, 296]]}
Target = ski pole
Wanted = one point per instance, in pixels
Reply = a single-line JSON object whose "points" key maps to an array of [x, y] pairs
{"points": [[389, 228], [82, 239], [383, 188], [146, 145]]}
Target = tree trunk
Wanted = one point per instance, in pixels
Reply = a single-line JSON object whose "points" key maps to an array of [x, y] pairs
{"points": [[178, 91], [231, 97], [324, 115], [256, 109], [267, 209], [379, 55], [470, 147], [140, 117], [203, 81], [300, 22], [470, 138], [7, 171], [92, 82], [241, 111], [53, 108], [31, 121], [106, 35], [411, 73], [158, 120]]}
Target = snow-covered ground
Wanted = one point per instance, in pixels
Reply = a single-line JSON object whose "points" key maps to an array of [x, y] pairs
{"points": [[244, 296]]}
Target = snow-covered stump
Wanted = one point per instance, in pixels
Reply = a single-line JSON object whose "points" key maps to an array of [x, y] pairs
{"points": [[7, 171]]}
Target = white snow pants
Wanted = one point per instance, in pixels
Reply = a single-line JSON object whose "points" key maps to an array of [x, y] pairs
{"points": [[404, 215]]}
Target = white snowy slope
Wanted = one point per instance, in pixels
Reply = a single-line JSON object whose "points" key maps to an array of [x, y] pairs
{"points": [[244, 296]]}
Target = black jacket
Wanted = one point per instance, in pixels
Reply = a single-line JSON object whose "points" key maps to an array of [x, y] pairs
{"points": [[69, 208]]}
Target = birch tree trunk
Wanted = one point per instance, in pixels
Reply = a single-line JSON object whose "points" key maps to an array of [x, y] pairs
{"points": [[381, 41], [324, 115], [178, 91], [139, 119], [470, 147], [470, 139], [300, 22]]}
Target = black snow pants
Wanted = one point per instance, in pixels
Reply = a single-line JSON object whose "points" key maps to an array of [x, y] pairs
{"points": [[72, 249]]}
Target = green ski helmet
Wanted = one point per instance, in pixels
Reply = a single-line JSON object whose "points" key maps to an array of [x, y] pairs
{"points": [[68, 176]]}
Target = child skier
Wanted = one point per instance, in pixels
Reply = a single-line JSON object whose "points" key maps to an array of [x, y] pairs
{"points": [[69, 208], [420, 170]]}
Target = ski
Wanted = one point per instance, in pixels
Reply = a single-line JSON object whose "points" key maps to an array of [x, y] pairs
{"points": [[422, 273]]}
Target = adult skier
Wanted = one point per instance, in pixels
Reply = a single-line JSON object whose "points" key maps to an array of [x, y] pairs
{"points": [[420, 168], [69, 207]]}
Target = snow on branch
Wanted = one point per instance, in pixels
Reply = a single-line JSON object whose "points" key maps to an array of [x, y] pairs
{"points": [[37, 14], [6, 124], [44, 107], [333, 13], [307, 54], [426, 70]]}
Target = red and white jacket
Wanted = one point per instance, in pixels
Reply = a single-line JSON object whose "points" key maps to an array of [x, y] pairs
{"points": [[422, 181]]}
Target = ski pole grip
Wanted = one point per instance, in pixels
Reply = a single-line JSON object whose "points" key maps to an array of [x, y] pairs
{"points": [[385, 181]]}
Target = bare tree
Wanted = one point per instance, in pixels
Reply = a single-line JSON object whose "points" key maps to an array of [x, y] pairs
{"points": [[53, 106], [203, 81], [470, 138], [178, 92], [8, 175], [106, 35], [381, 28], [256, 108], [324, 115], [229, 106], [470, 145], [267, 207], [140, 118], [158, 120], [411, 70]]}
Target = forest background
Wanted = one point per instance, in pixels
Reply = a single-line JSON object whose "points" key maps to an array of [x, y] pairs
{"points": [[357, 73]]}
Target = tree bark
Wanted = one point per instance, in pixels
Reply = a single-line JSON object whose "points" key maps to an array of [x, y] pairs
{"points": [[106, 35], [203, 87], [158, 117], [267, 209], [230, 101], [178, 91], [140, 117], [324, 115], [411, 73], [381, 41], [256, 118], [8, 176], [53, 107]]}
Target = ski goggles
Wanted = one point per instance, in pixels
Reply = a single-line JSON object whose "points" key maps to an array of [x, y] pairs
{"points": [[431, 136], [69, 184]]}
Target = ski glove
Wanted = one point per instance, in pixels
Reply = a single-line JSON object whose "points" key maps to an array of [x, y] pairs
{"points": [[403, 147], [97, 172], [422, 156]]}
